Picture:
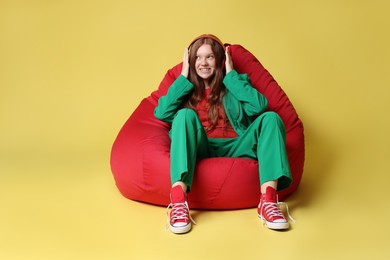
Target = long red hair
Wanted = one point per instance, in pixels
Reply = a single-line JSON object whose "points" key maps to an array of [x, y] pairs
{"points": [[217, 88]]}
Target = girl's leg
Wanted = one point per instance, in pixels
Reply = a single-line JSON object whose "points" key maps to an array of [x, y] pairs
{"points": [[264, 186], [188, 141], [181, 184], [265, 141], [271, 151]]}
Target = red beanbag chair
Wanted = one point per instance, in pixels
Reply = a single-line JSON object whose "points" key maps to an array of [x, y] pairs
{"points": [[140, 153]]}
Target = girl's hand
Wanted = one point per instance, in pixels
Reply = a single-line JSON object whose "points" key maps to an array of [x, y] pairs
{"points": [[228, 62], [186, 64]]}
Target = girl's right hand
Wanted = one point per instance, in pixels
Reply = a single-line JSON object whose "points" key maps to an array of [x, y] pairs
{"points": [[186, 64], [229, 61]]}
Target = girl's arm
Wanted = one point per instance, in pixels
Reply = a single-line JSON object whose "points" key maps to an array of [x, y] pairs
{"points": [[252, 101], [169, 104], [239, 85]]}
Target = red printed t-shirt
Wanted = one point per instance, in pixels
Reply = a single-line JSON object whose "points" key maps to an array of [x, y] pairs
{"points": [[223, 129]]}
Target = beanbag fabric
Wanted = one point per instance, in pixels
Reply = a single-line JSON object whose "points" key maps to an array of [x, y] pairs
{"points": [[140, 154]]}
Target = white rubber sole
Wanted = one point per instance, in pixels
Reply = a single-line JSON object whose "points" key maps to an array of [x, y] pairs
{"points": [[180, 230], [275, 225]]}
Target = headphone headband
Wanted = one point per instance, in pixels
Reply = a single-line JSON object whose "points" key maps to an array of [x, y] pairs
{"points": [[215, 38]]}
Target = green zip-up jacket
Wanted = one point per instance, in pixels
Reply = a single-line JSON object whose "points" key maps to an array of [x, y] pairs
{"points": [[241, 101]]}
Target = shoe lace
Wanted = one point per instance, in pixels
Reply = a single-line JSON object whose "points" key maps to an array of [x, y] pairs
{"points": [[272, 209], [288, 212], [180, 211]]}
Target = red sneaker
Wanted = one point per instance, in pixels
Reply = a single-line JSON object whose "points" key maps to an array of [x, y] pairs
{"points": [[269, 210], [179, 217]]}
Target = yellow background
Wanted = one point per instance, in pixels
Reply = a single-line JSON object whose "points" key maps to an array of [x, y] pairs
{"points": [[71, 72]]}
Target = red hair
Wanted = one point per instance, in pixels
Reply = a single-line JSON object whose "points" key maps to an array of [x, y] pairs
{"points": [[217, 89]]}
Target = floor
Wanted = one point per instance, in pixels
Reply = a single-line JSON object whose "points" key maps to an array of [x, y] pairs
{"points": [[74, 211], [71, 72]]}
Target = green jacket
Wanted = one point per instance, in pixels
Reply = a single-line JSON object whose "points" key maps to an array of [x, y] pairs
{"points": [[241, 101]]}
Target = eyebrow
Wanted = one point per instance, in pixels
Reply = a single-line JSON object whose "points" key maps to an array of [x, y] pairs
{"points": [[208, 54]]}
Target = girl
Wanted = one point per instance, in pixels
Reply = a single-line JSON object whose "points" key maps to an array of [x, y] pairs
{"points": [[211, 108]]}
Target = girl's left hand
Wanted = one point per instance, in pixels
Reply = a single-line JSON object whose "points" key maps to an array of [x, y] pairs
{"points": [[186, 65], [229, 61]]}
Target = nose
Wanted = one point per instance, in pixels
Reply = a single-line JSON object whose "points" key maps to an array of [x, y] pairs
{"points": [[204, 62]]}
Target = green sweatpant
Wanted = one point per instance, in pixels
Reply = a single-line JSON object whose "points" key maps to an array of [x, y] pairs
{"points": [[264, 140]]}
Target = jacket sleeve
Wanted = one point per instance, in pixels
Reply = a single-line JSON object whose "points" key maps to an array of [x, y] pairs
{"points": [[169, 104], [239, 85]]}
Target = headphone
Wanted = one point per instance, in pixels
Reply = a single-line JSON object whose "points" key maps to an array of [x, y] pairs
{"points": [[215, 38], [203, 36]]}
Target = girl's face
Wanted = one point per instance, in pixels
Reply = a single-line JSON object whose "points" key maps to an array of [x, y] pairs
{"points": [[205, 64]]}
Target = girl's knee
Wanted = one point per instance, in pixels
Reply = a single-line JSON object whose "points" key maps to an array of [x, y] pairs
{"points": [[272, 117], [185, 114], [269, 119]]}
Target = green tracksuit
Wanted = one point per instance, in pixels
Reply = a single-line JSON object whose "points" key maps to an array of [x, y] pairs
{"points": [[261, 135]]}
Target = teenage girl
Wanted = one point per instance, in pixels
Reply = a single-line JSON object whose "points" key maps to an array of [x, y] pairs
{"points": [[211, 109]]}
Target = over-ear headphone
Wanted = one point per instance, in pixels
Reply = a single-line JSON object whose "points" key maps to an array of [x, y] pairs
{"points": [[215, 38], [203, 36]]}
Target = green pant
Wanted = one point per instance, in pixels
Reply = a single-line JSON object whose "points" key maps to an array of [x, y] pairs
{"points": [[264, 140]]}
